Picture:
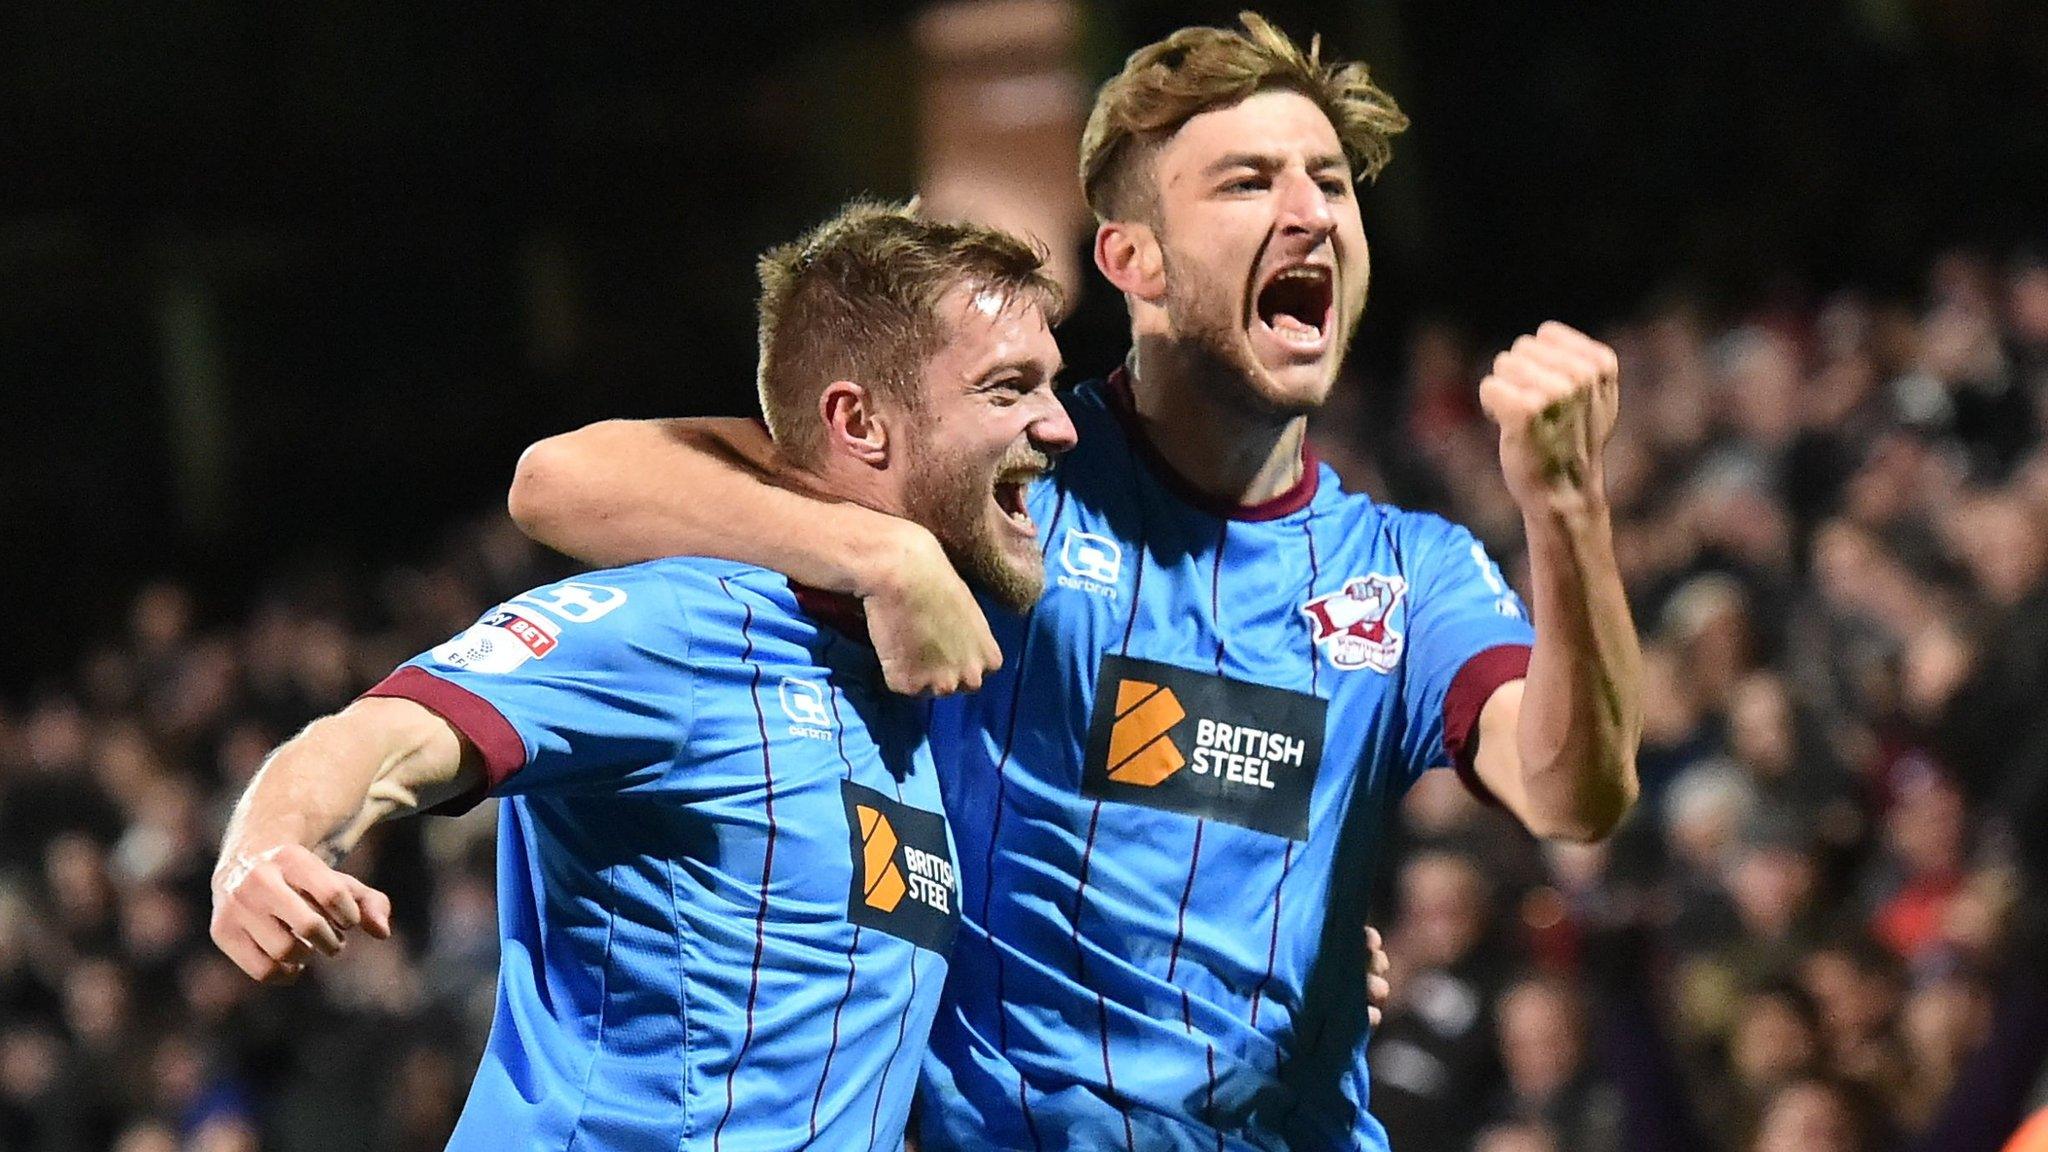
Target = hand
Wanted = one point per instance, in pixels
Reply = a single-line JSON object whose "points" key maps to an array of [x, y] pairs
{"points": [[926, 626], [273, 910], [1378, 989], [1554, 395]]}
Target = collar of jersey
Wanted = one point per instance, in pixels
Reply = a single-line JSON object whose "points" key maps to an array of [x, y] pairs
{"points": [[835, 610], [1125, 408]]}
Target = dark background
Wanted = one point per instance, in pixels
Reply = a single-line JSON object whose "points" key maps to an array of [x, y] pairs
{"points": [[291, 281]]}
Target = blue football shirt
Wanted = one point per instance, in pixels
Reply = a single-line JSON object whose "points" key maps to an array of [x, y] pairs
{"points": [[1171, 797], [725, 883]]}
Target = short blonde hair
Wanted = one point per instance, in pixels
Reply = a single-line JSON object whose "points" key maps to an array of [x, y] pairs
{"points": [[856, 299], [1195, 70]]}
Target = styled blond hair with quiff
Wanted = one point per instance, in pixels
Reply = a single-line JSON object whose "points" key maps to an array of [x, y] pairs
{"points": [[856, 298], [1195, 70]]}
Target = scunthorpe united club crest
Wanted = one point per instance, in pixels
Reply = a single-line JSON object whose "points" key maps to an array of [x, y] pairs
{"points": [[1354, 625]]}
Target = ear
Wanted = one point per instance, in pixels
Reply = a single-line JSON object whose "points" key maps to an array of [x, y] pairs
{"points": [[852, 425], [1127, 252]]}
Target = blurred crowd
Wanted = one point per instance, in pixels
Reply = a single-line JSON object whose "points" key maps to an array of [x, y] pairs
{"points": [[1820, 931], [1832, 521], [121, 1027]]}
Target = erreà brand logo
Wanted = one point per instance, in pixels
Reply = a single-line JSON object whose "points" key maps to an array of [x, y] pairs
{"points": [[902, 869], [1204, 745], [1090, 563], [803, 701]]}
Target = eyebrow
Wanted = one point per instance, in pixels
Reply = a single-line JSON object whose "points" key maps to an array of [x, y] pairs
{"points": [[1026, 366], [1266, 162]]}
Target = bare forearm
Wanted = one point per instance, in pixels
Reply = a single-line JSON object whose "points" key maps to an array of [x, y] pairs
{"points": [[622, 491], [1581, 710], [625, 491], [324, 788]]}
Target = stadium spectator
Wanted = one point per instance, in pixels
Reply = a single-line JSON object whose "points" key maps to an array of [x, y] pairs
{"points": [[1435, 1054], [1548, 1080]]}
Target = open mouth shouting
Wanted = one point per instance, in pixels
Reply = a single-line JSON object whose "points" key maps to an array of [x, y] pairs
{"points": [[1296, 311], [1009, 498]]}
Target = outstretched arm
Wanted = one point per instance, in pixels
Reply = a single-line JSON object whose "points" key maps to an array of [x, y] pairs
{"points": [[277, 896], [1559, 748], [623, 491]]}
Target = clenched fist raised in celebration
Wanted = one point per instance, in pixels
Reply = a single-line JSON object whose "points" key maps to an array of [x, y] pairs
{"points": [[1558, 748], [1554, 395]]}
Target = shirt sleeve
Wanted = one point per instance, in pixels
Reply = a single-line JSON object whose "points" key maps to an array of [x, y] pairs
{"points": [[579, 686], [1468, 634]]}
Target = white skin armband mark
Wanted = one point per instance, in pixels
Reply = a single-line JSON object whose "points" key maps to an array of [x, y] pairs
{"points": [[245, 864]]}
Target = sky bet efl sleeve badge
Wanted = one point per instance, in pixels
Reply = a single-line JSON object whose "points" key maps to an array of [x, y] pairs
{"points": [[1354, 625], [1203, 745], [527, 627]]}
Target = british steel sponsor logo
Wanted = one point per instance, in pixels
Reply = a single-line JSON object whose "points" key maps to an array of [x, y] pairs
{"points": [[1204, 745], [1141, 749], [1354, 626], [903, 881]]}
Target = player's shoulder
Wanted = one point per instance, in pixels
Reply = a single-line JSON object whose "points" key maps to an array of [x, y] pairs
{"points": [[686, 594], [683, 614], [1417, 536], [1418, 528], [702, 580]]}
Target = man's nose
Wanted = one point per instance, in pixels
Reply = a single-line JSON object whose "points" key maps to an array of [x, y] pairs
{"points": [[1304, 207], [1051, 429]]}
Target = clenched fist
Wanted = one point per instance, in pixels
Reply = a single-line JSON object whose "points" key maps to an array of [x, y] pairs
{"points": [[274, 910], [1554, 395]]}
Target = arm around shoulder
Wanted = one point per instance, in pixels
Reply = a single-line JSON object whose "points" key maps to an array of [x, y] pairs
{"points": [[625, 491]]}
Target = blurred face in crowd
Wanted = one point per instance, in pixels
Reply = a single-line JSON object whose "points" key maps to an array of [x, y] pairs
{"points": [[1760, 724], [1539, 1039], [96, 1003], [2003, 540], [1772, 885], [2027, 304], [1709, 618], [1944, 1022], [1703, 815], [1669, 715], [1924, 829], [989, 426], [75, 871], [1263, 250], [1808, 1117], [1516, 1138], [1762, 376], [1443, 908], [1773, 1042], [1855, 1003]]}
